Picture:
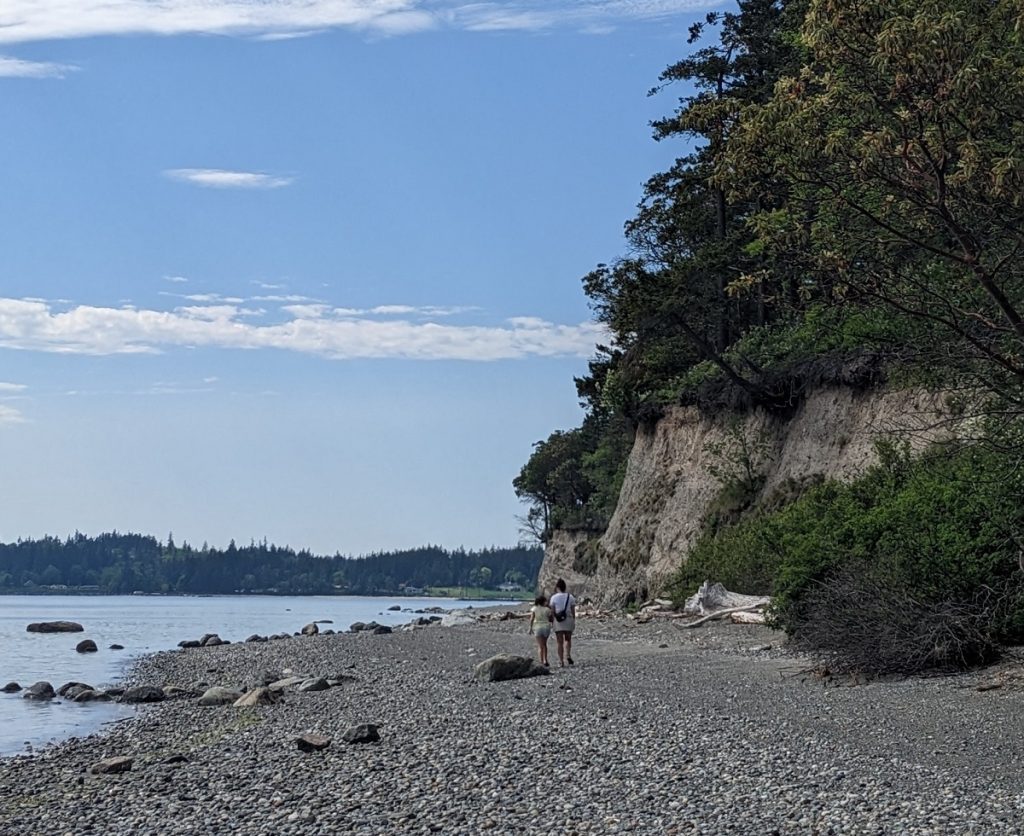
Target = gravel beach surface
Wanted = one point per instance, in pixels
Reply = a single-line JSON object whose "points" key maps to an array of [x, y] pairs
{"points": [[656, 729]]}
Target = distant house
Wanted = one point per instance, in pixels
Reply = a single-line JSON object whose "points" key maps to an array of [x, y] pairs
{"points": [[509, 587], [412, 590]]}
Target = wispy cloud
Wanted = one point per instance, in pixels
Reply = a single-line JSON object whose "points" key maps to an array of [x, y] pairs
{"points": [[10, 415], [83, 329], [36, 20], [218, 178], [175, 279], [8, 388], [19, 68]]}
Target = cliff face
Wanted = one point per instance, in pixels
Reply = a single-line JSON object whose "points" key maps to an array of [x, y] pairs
{"points": [[680, 468]]}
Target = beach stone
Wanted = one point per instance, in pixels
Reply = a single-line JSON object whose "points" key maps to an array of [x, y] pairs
{"points": [[327, 632], [39, 691], [172, 760], [323, 621], [73, 689], [91, 696], [315, 684], [287, 682], [259, 696], [381, 630], [218, 695], [86, 646], [111, 766], [11, 688], [362, 733], [177, 692], [117, 647], [55, 627], [213, 641], [395, 608], [143, 693], [256, 638], [115, 692], [310, 629], [187, 643], [506, 666], [312, 742], [356, 627]]}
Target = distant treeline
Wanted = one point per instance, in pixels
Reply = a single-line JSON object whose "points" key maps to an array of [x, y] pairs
{"points": [[125, 563]]}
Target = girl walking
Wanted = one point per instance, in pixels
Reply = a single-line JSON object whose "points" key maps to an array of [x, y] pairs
{"points": [[540, 626]]}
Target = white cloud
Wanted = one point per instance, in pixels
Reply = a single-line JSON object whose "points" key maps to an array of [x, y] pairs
{"points": [[291, 297], [10, 415], [83, 329], [37, 20], [175, 279], [218, 178], [19, 68], [12, 387]]}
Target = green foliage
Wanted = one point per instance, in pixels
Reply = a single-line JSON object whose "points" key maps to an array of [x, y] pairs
{"points": [[942, 526]]}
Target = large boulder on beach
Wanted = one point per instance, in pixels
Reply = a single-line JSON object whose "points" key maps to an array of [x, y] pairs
{"points": [[55, 627], [381, 630], [356, 627], [256, 637], [287, 682], [111, 766], [143, 693], [363, 733], [86, 646], [39, 691], [507, 666], [189, 643], [312, 742], [11, 688], [218, 695], [212, 641], [310, 629], [317, 683], [258, 696], [458, 618]]}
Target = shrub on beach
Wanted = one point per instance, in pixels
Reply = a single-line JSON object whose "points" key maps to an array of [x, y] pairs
{"points": [[914, 566]]}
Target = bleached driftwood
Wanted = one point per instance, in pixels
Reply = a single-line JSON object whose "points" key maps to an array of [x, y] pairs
{"points": [[744, 617], [721, 614], [713, 597]]}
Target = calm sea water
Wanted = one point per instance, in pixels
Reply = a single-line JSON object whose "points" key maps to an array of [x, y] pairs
{"points": [[143, 624]]}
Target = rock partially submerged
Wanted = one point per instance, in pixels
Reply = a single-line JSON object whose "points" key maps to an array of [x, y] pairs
{"points": [[55, 627], [143, 693], [86, 646], [11, 688], [508, 666], [39, 691]]}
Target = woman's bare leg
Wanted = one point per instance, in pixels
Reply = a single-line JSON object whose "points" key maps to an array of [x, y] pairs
{"points": [[568, 647], [560, 636]]}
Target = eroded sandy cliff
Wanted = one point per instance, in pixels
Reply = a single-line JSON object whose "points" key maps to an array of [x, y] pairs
{"points": [[678, 469]]}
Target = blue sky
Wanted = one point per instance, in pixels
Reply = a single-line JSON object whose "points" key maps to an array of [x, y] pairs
{"points": [[307, 271]]}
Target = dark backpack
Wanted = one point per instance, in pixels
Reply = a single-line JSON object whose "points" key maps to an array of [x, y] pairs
{"points": [[561, 615]]}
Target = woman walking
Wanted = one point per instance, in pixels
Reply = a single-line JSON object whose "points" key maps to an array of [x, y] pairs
{"points": [[563, 606]]}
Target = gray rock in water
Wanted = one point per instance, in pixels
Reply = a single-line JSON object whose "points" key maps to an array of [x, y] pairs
{"points": [[218, 695], [111, 766], [395, 608], [507, 666], [117, 647], [323, 621], [73, 692], [39, 691], [86, 646], [315, 684], [363, 733], [310, 629], [55, 627], [67, 686], [11, 688], [189, 643], [259, 696], [356, 627], [143, 693], [312, 742], [113, 692], [91, 696]]}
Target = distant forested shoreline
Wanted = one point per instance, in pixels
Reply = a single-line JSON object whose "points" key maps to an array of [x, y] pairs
{"points": [[117, 563]]}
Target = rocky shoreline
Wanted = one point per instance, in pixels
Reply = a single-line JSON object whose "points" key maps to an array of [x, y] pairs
{"points": [[657, 729]]}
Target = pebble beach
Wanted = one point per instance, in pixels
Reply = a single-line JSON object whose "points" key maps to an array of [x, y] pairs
{"points": [[656, 729]]}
